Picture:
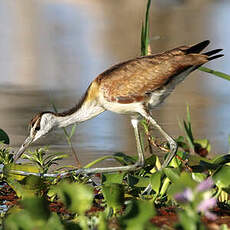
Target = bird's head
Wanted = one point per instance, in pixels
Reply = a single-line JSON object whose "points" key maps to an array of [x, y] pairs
{"points": [[39, 126]]}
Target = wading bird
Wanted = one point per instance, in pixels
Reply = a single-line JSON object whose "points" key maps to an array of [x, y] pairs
{"points": [[133, 87]]}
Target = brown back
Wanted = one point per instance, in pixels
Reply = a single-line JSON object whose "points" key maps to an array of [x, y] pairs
{"points": [[132, 80]]}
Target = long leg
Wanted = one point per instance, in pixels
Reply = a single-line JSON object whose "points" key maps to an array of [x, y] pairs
{"points": [[137, 165], [141, 160], [172, 143]]}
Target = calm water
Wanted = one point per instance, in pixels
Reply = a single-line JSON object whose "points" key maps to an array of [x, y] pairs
{"points": [[52, 50]]}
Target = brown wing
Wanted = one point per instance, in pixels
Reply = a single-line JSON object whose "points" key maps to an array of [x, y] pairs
{"points": [[132, 80]]}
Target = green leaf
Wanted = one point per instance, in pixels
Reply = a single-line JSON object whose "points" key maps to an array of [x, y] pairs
{"points": [[181, 143], [155, 181], [37, 207], [110, 178], [224, 227], [220, 160], [142, 181], [19, 220], [35, 215], [5, 156], [164, 186], [29, 157], [201, 164], [72, 226], [172, 174], [189, 135], [102, 222], [28, 187], [56, 158], [114, 195], [124, 159], [138, 181], [175, 162], [132, 180], [54, 223], [188, 221], [77, 197], [188, 129], [137, 215], [9, 174], [4, 137], [221, 177], [199, 177], [185, 180]]}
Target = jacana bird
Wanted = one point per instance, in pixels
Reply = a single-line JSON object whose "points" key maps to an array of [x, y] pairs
{"points": [[133, 87]]}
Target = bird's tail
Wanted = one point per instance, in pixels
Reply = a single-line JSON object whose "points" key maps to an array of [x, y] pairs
{"points": [[202, 45]]}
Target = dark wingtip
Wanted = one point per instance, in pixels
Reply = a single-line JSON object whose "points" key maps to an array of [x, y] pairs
{"points": [[215, 57], [198, 47], [210, 53]]}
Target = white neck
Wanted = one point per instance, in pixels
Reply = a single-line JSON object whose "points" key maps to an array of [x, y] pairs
{"points": [[85, 112]]}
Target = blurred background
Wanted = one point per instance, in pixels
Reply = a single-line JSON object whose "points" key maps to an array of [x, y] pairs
{"points": [[52, 49]]}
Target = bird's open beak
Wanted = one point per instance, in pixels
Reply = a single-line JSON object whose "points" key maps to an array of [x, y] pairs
{"points": [[24, 146]]}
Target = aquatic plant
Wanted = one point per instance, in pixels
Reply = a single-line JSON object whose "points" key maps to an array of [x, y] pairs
{"points": [[42, 197]]}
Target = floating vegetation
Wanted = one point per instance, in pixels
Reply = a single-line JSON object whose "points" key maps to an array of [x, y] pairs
{"points": [[192, 193]]}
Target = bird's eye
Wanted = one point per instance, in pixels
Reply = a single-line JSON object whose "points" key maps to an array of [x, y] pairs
{"points": [[37, 128]]}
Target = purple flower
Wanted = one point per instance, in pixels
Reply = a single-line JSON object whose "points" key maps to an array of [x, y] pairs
{"points": [[204, 207], [210, 215], [206, 204], [185, 196], [205, 185], [189, 195]]}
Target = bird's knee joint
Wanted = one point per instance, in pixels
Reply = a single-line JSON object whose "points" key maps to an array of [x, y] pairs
{"points": [[140, 164], [173, 145], [134, 122]]}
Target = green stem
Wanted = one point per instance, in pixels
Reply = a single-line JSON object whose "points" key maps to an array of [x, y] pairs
{"points": [[145, 32], [68, 138], [98, 160], [147, 27], [217, 73]]}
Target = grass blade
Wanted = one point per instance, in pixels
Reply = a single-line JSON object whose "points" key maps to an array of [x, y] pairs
{"points": [[68, 138], [73, 130], [145, 32], [147, 27], [216, 73], [97, 161], [142, 40]]}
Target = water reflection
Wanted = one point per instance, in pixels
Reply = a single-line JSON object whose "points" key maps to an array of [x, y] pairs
{"points": [[51, 50]]}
